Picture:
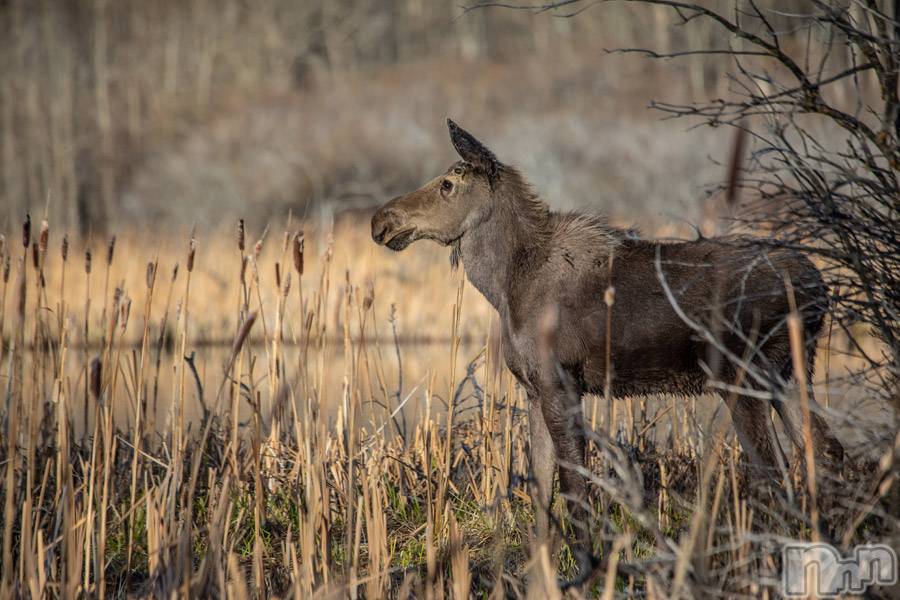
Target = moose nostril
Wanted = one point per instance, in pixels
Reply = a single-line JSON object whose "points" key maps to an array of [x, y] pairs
{"points": [[381, 224]]}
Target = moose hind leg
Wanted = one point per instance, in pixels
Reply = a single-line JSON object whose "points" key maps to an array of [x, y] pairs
{"points": [[753, 425], [827, 449]]}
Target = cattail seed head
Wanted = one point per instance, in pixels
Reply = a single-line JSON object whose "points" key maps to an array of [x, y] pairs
{"points": [[298, 252], [44, 239], [192, 252], [243, 332], [96, 378], [278, 275], [110, 250], [65, 247], [125, 312], [369, 298], [241, 236], [117, 298], [26, 231], [175, 273], [87, 261], [151, 275], [20, 279], [36, 256]]}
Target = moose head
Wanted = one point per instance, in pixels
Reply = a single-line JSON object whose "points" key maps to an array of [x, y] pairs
{"points": [[447, 206]]}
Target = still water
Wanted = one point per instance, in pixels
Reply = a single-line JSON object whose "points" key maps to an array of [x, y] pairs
{"points": [[399, 384], [378, 376]]}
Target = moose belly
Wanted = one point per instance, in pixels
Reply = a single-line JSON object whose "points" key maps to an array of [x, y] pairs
{"points": [[661, 366], [652, 350]]}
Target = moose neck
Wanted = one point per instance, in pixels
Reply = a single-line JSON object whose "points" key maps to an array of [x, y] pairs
{"points": [[508, 243]]}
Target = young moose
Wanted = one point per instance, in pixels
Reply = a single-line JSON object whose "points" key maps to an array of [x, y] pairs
{"points": [[684, 315]]}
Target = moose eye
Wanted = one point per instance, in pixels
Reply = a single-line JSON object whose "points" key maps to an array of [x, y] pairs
{"points": [[446, 185]]}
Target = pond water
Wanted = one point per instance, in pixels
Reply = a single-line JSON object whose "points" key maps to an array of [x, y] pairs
{"points": [[394, 384], [378, 376]]}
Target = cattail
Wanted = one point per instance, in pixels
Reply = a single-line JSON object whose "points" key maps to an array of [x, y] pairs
{"points": [[243, 332], [110, 250], [87, 261], [151, 275], [192, 251], [241, 236], [26, 231], [36, 256], [278, 275], [370, 295], [96, 378], [175, 273], [125, 311], [22, 292], [244, 270], [65, 247], [45, 237], [298, 253]]}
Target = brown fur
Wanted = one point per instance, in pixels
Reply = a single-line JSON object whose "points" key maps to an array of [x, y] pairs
{"points": [[530, 262]]}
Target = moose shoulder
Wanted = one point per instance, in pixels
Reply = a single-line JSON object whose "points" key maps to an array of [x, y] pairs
{"points": [[685, 317]]}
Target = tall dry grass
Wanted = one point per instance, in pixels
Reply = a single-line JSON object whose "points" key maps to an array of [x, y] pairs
{"points": [[268, 492]]}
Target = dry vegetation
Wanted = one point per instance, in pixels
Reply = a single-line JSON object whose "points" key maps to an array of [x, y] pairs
{"points": [[270, 491], [189, 413]]}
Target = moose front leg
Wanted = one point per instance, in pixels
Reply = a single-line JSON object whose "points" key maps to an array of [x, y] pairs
{"points": [[543, 463], [563, 415]]}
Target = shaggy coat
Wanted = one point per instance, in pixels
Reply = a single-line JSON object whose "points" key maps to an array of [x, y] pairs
{"points": [[685, 317]]}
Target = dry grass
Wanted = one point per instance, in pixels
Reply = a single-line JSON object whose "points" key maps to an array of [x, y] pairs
{"points": [[271, 492]]}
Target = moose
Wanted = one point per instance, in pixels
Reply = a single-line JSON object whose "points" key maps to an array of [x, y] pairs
{"points": [[686, 317]]}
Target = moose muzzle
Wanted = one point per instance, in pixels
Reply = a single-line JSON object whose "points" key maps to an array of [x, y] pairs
{"points": [[389, 227]]}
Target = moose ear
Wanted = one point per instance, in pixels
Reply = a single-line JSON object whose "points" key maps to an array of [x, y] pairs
{"points": [[473, 151]]}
